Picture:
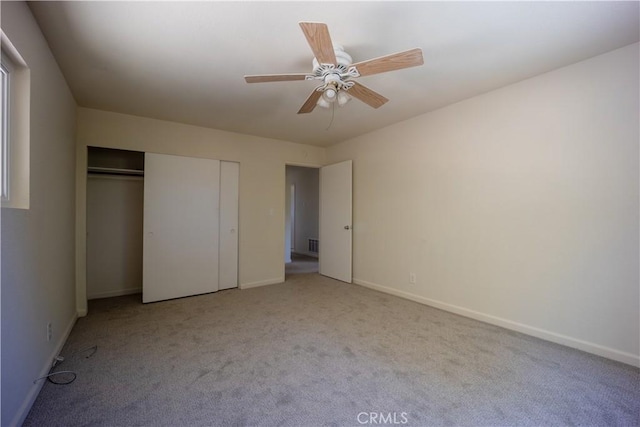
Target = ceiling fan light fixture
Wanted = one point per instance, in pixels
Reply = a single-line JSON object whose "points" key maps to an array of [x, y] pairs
{"points": [[343, 98], [323, 103], [330, 94]]}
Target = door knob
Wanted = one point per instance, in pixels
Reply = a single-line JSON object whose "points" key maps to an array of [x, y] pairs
{"points": [[346, 227]]}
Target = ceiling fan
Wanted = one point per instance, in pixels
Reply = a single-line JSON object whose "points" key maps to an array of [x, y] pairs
{"points": [[332, 67]]}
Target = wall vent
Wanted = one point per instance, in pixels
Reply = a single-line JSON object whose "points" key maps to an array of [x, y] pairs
{"points": [[313, 246]]}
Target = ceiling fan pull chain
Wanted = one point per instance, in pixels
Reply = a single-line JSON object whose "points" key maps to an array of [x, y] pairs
{"points": [[333, 111]]}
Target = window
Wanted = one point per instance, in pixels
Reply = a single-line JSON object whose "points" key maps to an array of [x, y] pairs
{"points": [[14, 135], [4, 117]]}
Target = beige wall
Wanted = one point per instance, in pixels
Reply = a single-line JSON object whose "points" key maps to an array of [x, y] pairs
{"points": [[518, 207], [262, 181], [38, 243]]}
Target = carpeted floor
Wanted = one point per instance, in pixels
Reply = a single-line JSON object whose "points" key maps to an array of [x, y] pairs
{"points": [[314, 351], [301, 264]]}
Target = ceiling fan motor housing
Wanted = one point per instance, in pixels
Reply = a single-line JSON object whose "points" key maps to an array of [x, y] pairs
{"points": [[334, 78], [343, 60]]}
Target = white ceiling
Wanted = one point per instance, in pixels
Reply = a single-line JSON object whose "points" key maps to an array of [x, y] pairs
{"points": [[185, 61]]}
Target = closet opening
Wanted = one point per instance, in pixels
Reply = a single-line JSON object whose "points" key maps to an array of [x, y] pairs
{"points": [[115, 196], [162, 226]]}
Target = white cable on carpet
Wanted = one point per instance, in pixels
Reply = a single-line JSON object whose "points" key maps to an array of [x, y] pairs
{"points": [[58, 360]]}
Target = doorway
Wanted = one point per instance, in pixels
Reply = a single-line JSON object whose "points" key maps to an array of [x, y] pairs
{"points": [[301, 220]]}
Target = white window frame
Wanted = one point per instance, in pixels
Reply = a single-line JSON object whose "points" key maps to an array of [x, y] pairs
{"points": [[4, 149], [16, 111]]}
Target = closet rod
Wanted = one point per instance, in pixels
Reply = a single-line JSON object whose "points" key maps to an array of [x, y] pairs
{"points": [[115, 171]]}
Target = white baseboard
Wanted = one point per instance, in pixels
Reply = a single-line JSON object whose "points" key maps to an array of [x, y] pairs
{"points": [[22, 413], [609, 353], [261, 283], [115, 293]]}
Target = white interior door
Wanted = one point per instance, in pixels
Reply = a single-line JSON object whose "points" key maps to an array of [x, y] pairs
{"points": [[181, 226], [335, 220], [229, 192]]}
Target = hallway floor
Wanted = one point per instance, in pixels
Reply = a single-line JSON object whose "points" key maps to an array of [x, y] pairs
{"points": [[301, 264]]}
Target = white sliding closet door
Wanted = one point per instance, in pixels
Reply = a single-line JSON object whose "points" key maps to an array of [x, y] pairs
{"points": [[229, 179], [181, 226]]}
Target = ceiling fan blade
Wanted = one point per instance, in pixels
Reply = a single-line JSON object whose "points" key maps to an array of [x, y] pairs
{"points": [[310, 103], [263, 78], [367, 96], [317, 35], [395, 61]]}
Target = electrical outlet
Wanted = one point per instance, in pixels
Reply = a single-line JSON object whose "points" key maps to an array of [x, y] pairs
{"points": [[412, 278], [49, 331]]}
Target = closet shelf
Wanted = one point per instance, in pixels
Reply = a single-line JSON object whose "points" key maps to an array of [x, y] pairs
{"points": [[115, 171]]}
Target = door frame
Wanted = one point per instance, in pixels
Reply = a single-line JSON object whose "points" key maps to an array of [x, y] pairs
{"points": [[285, 190]]}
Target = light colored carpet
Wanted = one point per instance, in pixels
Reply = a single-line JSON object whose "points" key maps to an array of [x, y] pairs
{"points": [[301, 264], [314, 351]]}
